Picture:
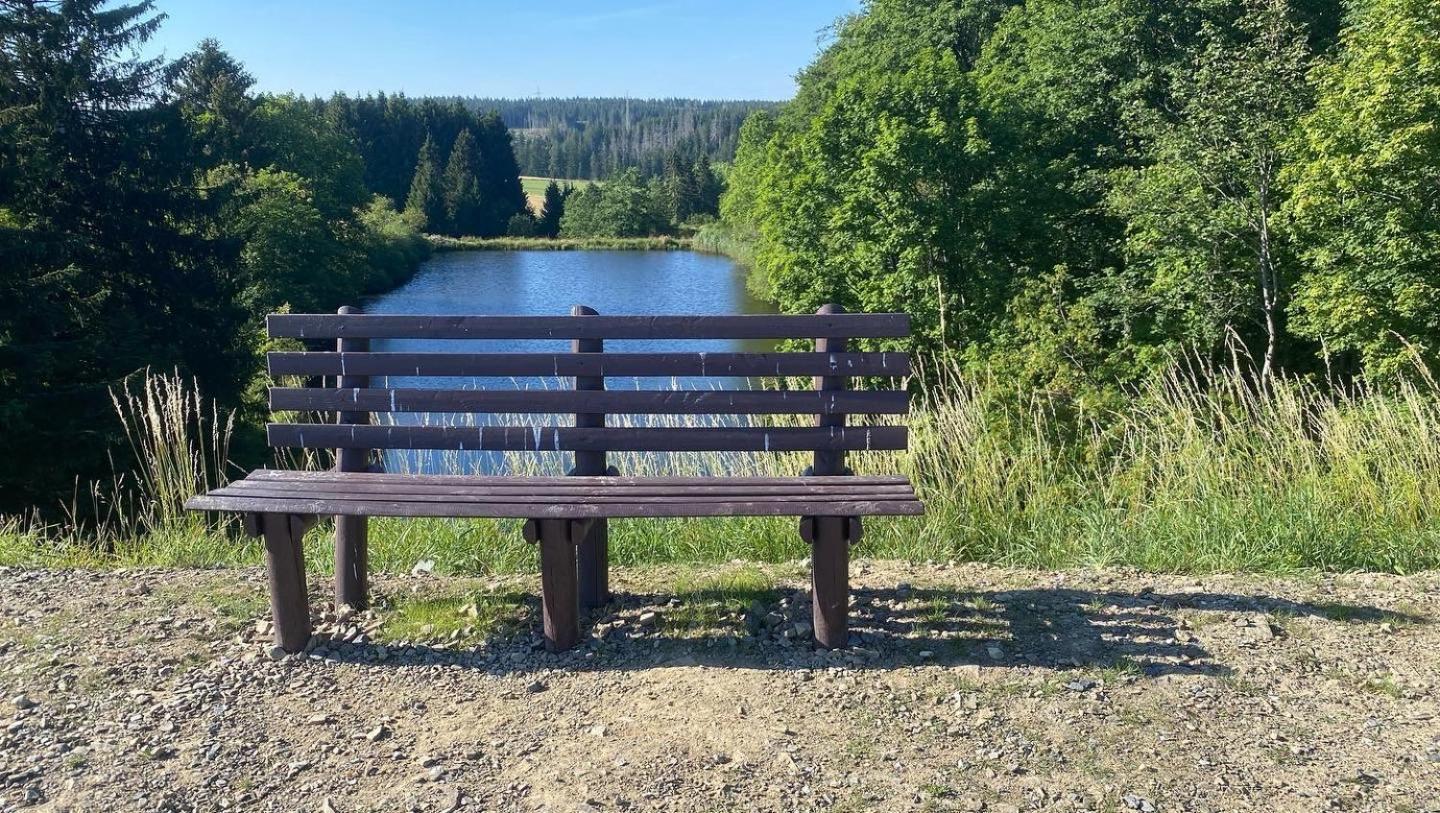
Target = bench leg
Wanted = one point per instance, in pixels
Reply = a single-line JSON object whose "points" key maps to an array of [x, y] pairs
{"points": [[593, 559], [285, 561], [352, 562], [559, 598], [830, 582]]}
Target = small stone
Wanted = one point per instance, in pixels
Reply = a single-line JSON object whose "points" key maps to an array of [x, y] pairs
{"points": [[536, 687], [597, 730], [1081, 685], [649, 618], [23, 702], [319, 719], [995, 652], [378, 733], [276, 652], [1139, 803]]}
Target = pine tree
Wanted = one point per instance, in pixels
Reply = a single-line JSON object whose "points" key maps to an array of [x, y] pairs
{"points": [[425, 205], [463, 206], [707, 187], [554, 209]]}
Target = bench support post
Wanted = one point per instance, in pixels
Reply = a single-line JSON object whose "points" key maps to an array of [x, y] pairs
{"points": [[559, 599], [593, 552], [830, 582], [352, 533], [285, 564], [830, 548]]}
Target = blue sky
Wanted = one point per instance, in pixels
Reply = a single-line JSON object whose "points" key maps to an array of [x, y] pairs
{"points": [[691, 48]]}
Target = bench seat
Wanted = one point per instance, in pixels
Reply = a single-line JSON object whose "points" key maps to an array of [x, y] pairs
{"points": [[369, 494]]}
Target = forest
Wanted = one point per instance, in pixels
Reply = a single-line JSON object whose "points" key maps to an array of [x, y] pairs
{"points": [[1072, 195], [152, 211], [596, 138]]}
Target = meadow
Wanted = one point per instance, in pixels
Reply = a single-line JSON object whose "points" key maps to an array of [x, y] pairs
{"points": [[1199, 471], [534, 188]]}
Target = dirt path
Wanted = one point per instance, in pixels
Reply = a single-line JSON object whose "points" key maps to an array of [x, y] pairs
{"points": [[972, 688]]}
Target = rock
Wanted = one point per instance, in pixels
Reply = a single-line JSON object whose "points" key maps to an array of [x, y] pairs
{"points": [[424, 567], [1081, 685], [377, 733], [1139, 803], [597, 730], [536, 687], [276, 652], [328, 806], [649, 618], [995, 652], [319, 719], [23, 702]]}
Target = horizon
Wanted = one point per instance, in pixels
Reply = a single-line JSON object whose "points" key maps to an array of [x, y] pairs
{"points": [[678, 49]]}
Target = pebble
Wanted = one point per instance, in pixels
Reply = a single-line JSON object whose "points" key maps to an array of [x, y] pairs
{"points": [[23, 702], [377, 733]]}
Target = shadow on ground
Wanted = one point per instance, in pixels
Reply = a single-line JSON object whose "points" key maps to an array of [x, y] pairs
{"points": [[1146, 634]]}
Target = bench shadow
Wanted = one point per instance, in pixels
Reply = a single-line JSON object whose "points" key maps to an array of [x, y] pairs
{"points": [[1144, 634]]}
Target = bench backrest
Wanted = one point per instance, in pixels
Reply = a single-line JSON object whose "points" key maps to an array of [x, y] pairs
{"points": [[350, 371]]}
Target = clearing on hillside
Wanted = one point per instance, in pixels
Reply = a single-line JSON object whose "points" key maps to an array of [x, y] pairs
{"points": [[534, 187]]}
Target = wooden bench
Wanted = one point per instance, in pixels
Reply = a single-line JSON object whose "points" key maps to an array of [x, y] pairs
{"points": [[568, 515]]}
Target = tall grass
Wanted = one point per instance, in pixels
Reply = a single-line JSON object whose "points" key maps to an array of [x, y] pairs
{"points": [[1198, 470]]}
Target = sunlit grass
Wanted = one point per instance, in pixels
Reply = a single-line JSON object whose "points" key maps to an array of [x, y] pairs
{"points": [[1199, 471]]}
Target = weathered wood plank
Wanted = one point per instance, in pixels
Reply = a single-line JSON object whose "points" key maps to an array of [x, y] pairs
{"points": [[629, 365], [615, 402], [528, 480], [282, 493], [570, 439], [759, 326], [557, 510], [363, 489]]}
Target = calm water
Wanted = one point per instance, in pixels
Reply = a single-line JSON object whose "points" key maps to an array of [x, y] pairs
{"points": [[548, 283]]}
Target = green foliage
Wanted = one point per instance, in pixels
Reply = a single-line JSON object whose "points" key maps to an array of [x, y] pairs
{"points": [[424, 204], [898, 157], [149, 215], [1202, 213], [552, 212], [623, 206], [1075, 193], [460, 189], [1366, 194]]}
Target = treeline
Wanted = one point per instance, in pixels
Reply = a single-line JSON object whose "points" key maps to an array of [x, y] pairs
{"points": [[629, 205], [151, 212], [451, 166], [598, 138], [1072, 194]]}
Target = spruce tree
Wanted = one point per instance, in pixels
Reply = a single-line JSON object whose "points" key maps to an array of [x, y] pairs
{"points": [[707, 187], [553, 210], [425, 204], [463, 206]]}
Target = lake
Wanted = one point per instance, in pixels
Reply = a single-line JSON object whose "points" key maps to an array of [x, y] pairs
{"points": [[548, 283]]}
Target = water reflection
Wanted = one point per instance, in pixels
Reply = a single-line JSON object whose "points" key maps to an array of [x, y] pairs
{"points": [[549, 283]]}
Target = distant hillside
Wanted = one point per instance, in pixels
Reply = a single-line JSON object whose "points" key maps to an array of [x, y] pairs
{"points": [[592, 138]]}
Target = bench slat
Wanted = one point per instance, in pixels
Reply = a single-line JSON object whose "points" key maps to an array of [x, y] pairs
{"points": [[571, 439], [552, 510], [500, 481], [663, 365], [614, 402], [589, 499], [256, 485], [761, 326]]}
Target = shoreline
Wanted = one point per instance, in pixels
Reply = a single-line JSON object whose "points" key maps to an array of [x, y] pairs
{"points": [[664, 243]]}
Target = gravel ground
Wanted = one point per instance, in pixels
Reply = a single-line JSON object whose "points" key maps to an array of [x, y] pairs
{"points": [[969, 688]]}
